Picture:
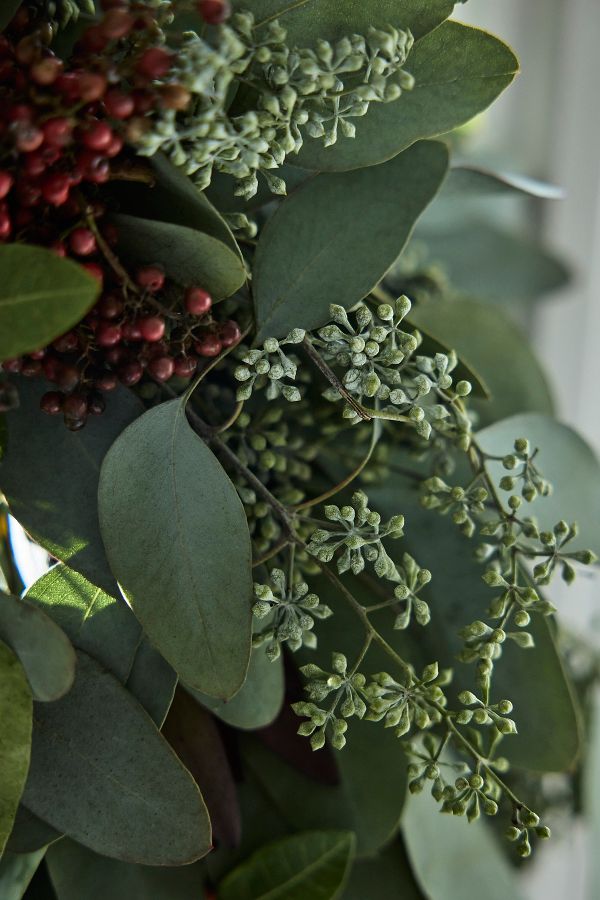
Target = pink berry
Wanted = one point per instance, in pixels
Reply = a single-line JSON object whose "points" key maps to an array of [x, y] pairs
{"points": [[162, 367], [152, 278], [52, 403], [230, 333], [152, 328], [197, 301], [82, 242], [108, 335], [214, 12], [119, 105], [98, 136], [210, 345], [154, 63], [6, 183], [185, 366]]}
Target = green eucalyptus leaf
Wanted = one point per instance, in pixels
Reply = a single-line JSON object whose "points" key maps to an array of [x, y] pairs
{"points": [[490, 263], [79, 874], [106, 629], [383, 877], [30, 833], [49, 476], [309, 865], [464, 180], [9, 8], [547, 720], [222, 187], [445, 852], [16, 709], [565, 460], [458, 70], [102, 774], [16, 872], [435, 340], [41, 297], [334, 238], [308, 20], [488, 342], [43, 648], [177, 540], [174, 199], [187, 255], [258, 701], [591, 798]]}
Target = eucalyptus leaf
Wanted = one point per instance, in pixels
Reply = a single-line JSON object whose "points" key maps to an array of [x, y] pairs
{"points": [[591, 799], [458, 70], [311, 865], [106, 629], [383, 877], [565, 460], [308, 20], [16, 709], [79, 874], [9, 8], [102, 774], [334, 238], [43, 648], [30, 833], [16, 872], [187, 255], [173, 198], [465, 179], [444, 853], [181, 550], [41, 296], [487, 341], [41, 486]]}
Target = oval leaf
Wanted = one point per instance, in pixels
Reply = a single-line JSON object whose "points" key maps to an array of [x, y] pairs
{"points": [[101, 773], [188, 256], [335, 237], [41, 297], [466, 179], [106, 629], [29, 833], [16, 872], [314, 864], [384, 877], [443, 851], [45, 651], [178, 543], [77, 873], [16, 709], [459, 71], [40, 486]]}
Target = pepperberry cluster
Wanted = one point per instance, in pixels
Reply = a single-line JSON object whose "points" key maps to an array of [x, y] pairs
{"points": [[64, 128]]}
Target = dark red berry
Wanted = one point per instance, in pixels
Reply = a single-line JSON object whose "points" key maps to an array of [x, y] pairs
{"points": [[68, 85], [108, 335], [214, 12], [210, 345], [20, 112], [162, 367], [117, 23], [75, 406], [132, 331], [92, 86], [115, 147], [67, 343], [55, 188], [59, 248], [95, 271], [185, 366], [154, 63], [197, 301], [6, 183], [5, 225], [97, 136], [107, 382], [119, 105], [31, 368], [152, 278], [13, 366], [230, 333], [93, 167], [130, 373], [28, 137], [58, 132], [82, 242], [152, 328], [110, 306], [94, 39], [96, 404], [52, 403], [66, 377], [116, 356], [38, 354]]}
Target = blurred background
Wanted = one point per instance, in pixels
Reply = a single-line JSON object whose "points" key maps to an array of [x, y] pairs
{"points": [[547, 126]]}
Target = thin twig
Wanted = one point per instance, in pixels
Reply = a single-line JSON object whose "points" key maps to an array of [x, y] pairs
{"points": [[332, 378]]}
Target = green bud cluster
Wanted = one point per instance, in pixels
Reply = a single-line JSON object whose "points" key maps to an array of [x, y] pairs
{"points": [[295, 92], [413, 703], [412, 580], [64, 12], [496, 714], [524, 821], [524, 470], [469, 795], [461, 504], [290, 611], [268, 368], [360, 536], [553, 542], [346, 690], [426, 766]]}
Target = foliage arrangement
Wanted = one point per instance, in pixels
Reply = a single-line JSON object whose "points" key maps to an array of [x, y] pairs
{"points": [[296, 470]]}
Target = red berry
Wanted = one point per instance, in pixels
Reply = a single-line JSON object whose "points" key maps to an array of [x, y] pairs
{"points": [[20, 112], [28, 137], [162, 367], [97, 136], [116, 356], [132, 332], [93, 167], [58, 132], [75, 406], [46, 71], [95, 271], [82, 242], [154, 63], [29, 194], [5, 225], [144, 101], [68, 85], [66, 377], [110, 307], [230, 333], [92, 86], [35, 163], [51, 367], [119, 105], [52, 403], [214, 12], [6, 183], [152, 328], [59, 249], [67, 343], [115, 147], [117, 23], [210, 345], [185, 366], [197, 301], [131, 373], [94, 39], [152, 278], [37, 354], [13, 366], [31, 368], [108, 335], [55, 188], [107, 382], [96, 404]]}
